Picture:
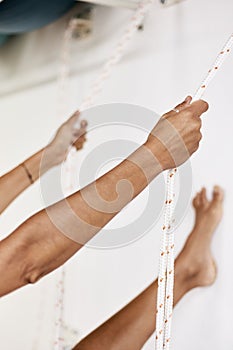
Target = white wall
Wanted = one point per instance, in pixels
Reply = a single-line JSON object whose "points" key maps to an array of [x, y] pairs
{"points": [[164, 64]]}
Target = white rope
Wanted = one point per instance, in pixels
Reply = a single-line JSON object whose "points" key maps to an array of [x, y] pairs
{"points": [[118, 52], [95, 90], [64, 73], [166, 264], [166, 260]]}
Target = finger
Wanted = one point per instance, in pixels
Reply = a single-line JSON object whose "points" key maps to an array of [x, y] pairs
{"points": [[83, 124], [183, 104], [179, 108], [80, 132], [81, 139], [218, 193], [196, 200], [198, 108], [203, 195], [73, 119], [78, 145]]}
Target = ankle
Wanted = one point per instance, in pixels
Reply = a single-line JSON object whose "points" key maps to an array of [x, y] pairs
{"points": [[182, 278]]}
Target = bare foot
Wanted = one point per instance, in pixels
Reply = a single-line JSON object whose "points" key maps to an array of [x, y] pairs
{"points": [[196, 259]]}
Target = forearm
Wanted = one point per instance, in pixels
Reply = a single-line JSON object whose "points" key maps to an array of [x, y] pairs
{"points": [[32, 251], [87, 211], [51, 237], [17, 180]]}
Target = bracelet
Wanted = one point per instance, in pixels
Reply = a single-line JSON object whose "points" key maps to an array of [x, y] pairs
{"points": [[29, 175]]}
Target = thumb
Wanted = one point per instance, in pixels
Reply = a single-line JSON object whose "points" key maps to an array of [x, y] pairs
{"points": [[73, 119], [198, 107]]}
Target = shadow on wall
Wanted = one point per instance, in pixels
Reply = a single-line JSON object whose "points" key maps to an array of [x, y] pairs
{"points": [[26, 15]]}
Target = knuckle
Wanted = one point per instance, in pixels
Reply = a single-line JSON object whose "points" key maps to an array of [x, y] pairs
{"points": [[189, 114], [198, 123], [205, 105], [165, 115]]}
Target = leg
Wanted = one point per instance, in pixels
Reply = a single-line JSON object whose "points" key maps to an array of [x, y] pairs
{"points": [[132, 326]]}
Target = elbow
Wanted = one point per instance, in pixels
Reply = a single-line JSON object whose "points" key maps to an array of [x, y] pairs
{"points": [[32, 277], [32, 273], [33, 263], [17, 273]]}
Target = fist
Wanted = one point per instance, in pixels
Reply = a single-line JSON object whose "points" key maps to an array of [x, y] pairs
{"points": [[69, 134], [177, 135]]}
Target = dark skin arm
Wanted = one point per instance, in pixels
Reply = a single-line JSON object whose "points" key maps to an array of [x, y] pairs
{"points": [[40, 245], [16, 181]]}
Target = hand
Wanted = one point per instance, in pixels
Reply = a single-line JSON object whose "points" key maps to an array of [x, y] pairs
{"points": [[67, 135], [177, 134]]}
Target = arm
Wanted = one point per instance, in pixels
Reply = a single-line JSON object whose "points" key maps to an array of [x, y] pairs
{"points": [[18, 179], [51, 237]]}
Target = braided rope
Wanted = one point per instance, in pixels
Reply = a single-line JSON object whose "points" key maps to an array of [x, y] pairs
{"points": [[95, 90], [166, 261], [59, 341], [118, 52]]}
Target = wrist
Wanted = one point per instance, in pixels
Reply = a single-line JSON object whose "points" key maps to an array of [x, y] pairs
{"points": [[50, 158], [159, 151]]}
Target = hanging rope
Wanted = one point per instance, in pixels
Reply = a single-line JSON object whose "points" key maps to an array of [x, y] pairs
{"points": [[118, 52], [96, 88], [166, 263], [166, 260], [59, 341]]}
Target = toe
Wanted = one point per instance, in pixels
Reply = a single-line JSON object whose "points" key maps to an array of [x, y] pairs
{"points": [[203, 197], [83, 124], [196, 200], [218, 194]]}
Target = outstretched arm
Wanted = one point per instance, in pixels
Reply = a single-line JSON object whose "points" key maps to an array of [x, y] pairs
{"points": [[18, 179], [49, 238]]}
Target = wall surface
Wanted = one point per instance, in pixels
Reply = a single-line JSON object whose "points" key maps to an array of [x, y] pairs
{"points": [[164, 63]]}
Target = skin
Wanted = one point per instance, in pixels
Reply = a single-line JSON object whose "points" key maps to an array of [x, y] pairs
{"points": [[131, 327], [39, 246], [16, 181]]}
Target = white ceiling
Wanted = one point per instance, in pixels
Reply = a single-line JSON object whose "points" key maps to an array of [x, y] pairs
{"points": [[120, 3], [128, 3]]}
